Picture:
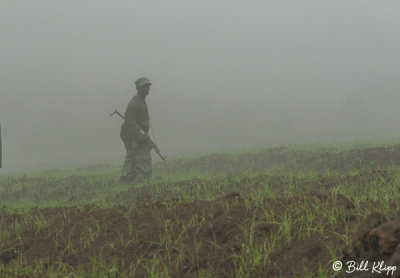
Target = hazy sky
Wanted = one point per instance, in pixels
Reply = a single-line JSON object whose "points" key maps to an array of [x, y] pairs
{"points": [[55, 53]]}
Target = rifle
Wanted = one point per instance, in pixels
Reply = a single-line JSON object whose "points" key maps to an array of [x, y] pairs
{"points": [[150, 142]]}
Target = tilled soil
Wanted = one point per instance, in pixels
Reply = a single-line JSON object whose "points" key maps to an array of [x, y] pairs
{"points": [[156, 227], [200, 235]]}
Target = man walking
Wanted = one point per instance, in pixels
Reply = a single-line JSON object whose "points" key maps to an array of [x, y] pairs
{"points": [[134, 133]]}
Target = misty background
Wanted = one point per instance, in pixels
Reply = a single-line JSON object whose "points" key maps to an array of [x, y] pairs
{"points": [[226, 75]]}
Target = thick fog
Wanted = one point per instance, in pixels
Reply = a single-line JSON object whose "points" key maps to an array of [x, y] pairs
{"points": [[226, 75]]}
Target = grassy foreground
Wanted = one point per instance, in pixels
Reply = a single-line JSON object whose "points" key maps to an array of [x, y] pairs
{"points": [[281, 212]]}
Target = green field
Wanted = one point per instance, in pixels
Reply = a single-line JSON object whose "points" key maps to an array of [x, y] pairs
{"points": [[279, 212]]}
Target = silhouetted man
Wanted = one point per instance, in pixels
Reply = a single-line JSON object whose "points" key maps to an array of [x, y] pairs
{"points": [[134, 133]]}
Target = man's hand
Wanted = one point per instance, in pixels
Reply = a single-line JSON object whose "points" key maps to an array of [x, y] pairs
{"points": [[145, 140]]}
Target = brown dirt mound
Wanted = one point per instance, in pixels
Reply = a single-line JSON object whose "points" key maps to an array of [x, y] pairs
{"points": [[377, 239]]}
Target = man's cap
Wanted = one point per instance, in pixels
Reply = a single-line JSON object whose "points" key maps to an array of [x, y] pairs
{"points": [[142, 81]]}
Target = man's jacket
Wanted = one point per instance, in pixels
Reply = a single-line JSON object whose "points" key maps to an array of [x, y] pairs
{"points": [[136, 118]]}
